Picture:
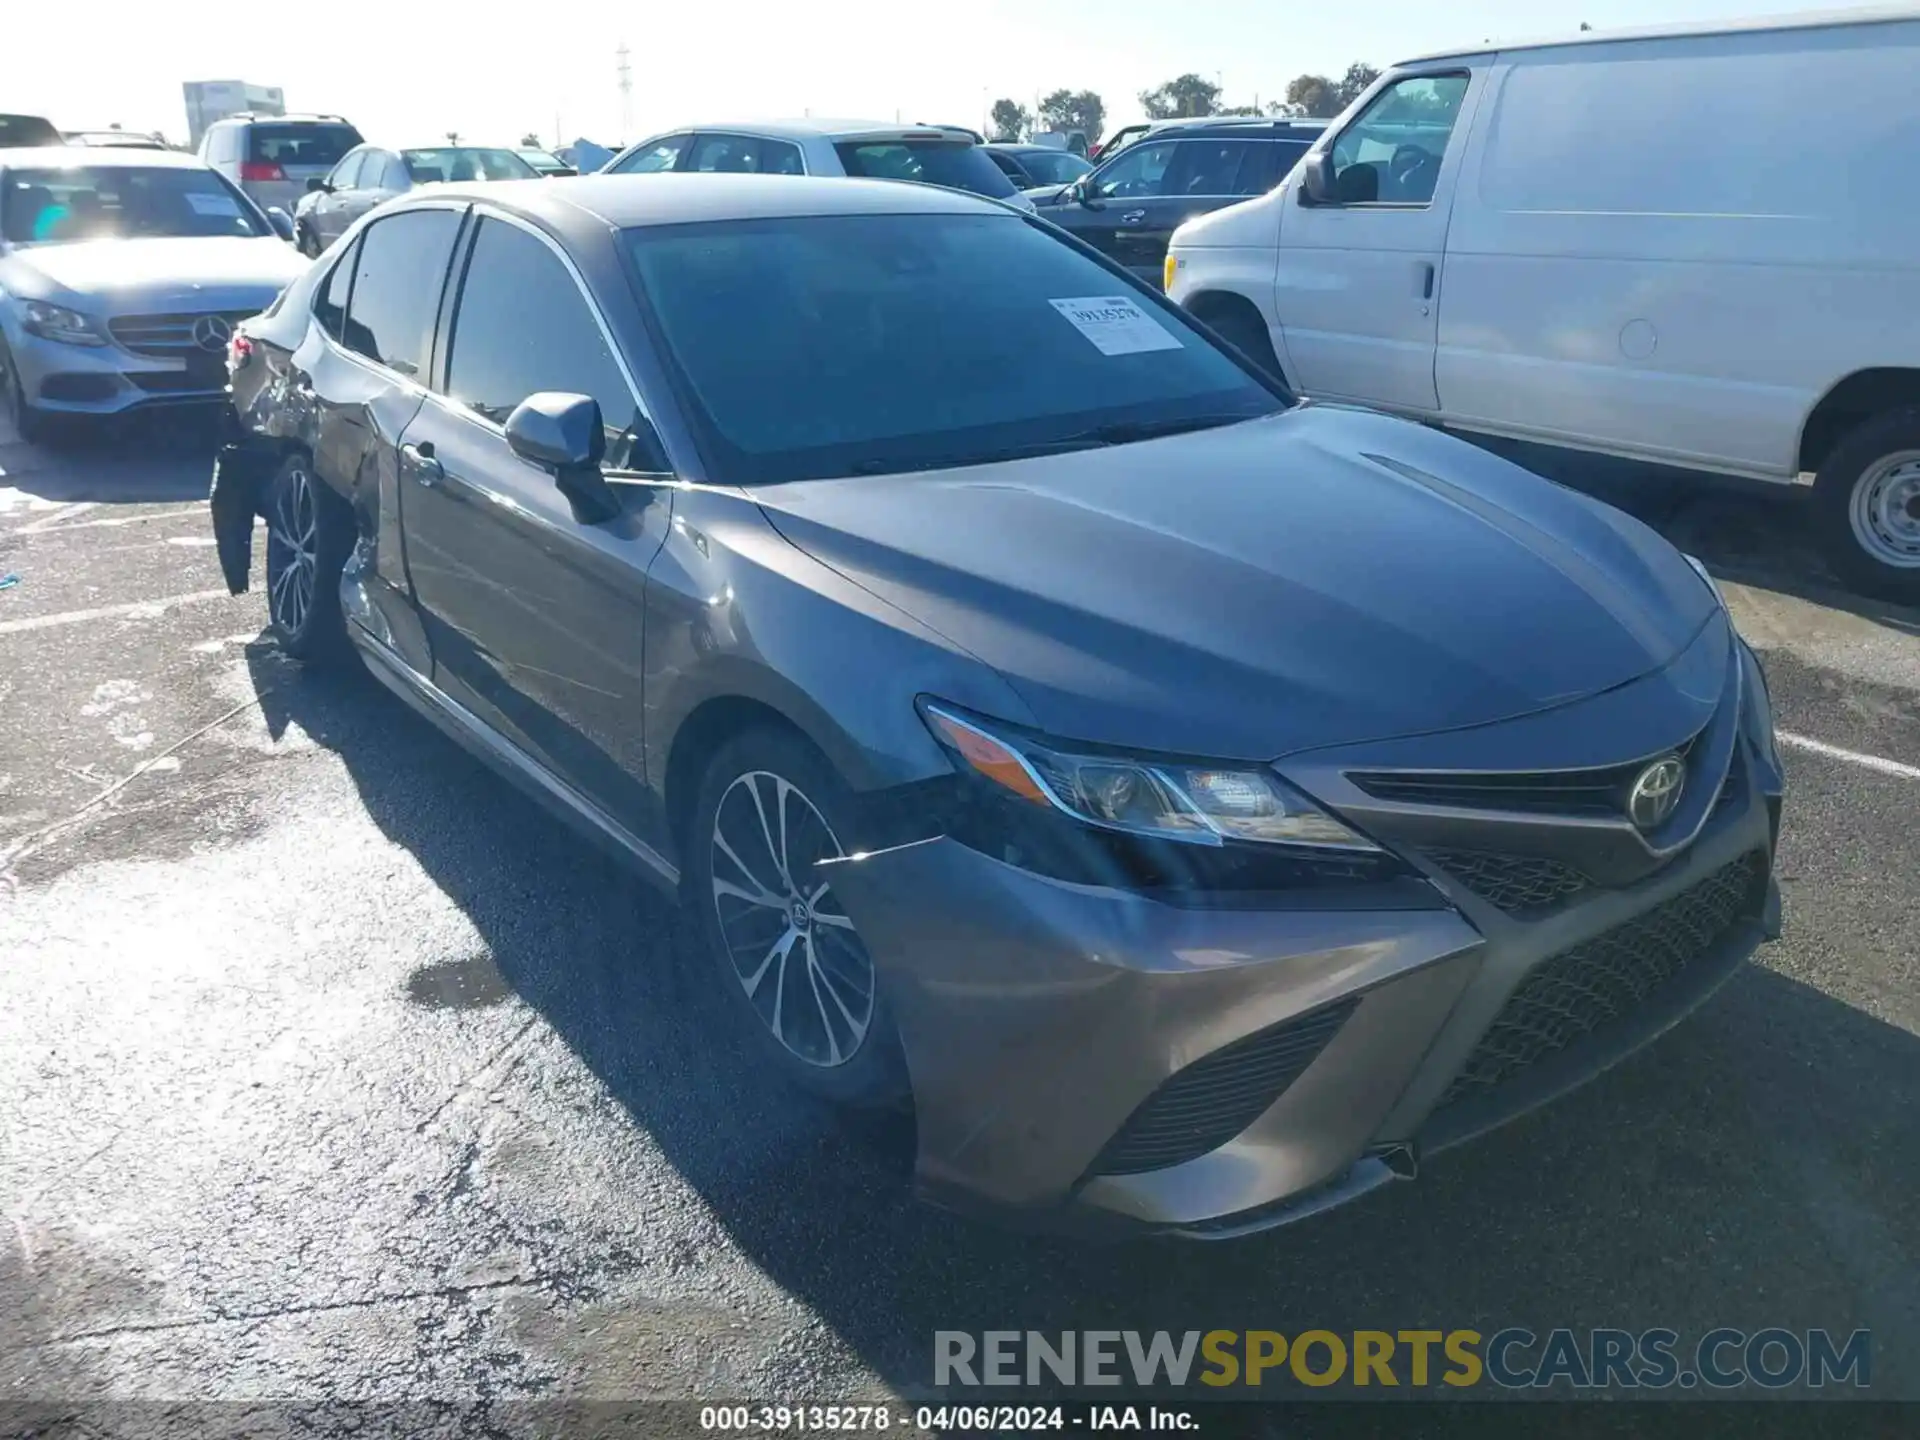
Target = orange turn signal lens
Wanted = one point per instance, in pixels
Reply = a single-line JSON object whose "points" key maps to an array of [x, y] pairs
{"points": [[988, 756]]}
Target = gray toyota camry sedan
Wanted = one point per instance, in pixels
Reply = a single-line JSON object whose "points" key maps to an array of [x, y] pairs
{"points": [[1199, 807]]}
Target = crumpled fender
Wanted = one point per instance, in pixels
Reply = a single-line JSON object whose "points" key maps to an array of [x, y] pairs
{"points": [[240, 473]]}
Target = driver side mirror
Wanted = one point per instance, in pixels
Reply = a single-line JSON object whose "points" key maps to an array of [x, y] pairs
{"points": [[281, 221], [319, 184], [1316, 180], [1082, 193], [565, 435]]}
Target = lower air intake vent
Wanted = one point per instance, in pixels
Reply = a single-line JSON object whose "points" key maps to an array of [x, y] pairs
{"points": [[1215, 1098], [1593, 985], [1520, 884]]}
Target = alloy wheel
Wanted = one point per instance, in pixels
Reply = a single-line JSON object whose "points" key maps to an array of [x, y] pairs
{"points": [[791, 946], [1885, 510], [293, 550]]}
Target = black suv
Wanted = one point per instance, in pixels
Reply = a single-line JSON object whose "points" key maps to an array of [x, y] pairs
{"points": [[1131, 205]]}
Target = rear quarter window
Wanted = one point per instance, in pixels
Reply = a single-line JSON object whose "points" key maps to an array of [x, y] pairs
{"points": [[958, 165]]}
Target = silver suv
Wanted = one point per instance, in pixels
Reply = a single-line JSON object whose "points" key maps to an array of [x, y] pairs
{"points": [[272, 157]]}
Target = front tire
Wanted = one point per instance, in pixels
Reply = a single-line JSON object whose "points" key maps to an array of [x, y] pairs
{"points": [[1241, 327], [1867, 499], [31, 424], [795, 973], [309, 535]]}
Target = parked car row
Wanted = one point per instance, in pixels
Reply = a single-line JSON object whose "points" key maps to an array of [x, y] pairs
{"points": [[1193, 805]]}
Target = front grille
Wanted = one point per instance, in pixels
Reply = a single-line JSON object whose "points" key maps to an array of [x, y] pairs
{"points": [[168, 335], [1205, 1105], [1607, 978], [1518, 884], [1599, 792]]}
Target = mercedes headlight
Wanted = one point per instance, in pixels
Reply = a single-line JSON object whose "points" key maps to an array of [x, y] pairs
{"points": [[1201, 804], [56, 322]]}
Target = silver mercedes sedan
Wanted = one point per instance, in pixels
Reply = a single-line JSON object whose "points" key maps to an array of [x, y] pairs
{"points": [[122, 275]]}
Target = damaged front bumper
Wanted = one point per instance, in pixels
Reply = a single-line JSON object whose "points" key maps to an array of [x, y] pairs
{"points": [[1050, 1027]]}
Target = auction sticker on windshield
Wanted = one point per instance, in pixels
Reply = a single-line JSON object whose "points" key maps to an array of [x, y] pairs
{"points": [[1116, 325], [202, 203]]}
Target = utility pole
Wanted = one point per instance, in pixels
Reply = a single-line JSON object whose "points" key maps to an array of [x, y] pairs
{"points": [[623, 67]]}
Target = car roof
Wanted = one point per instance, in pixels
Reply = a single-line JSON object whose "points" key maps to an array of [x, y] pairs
{"points": [[822, 129], [1021, 147], [98, 157], [1246, 128], [1804, 20], [248, 117], [630, 201]]}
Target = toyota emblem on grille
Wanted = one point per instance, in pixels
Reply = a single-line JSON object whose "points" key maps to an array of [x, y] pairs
{"points": [[1656, 792], [212, 332]]}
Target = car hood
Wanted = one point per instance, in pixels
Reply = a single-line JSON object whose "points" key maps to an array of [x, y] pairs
{"points": [[175, 271], [1322, 576]]}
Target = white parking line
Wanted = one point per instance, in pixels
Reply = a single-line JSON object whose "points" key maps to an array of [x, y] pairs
{"points": [[139, 610], [1852, 757]]}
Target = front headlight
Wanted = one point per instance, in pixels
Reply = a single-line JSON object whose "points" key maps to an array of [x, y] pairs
{"points": [[56, 322], [1700, 569], [1199, 804]]}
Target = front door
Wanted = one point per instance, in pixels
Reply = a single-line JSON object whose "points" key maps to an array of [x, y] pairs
{"points": [[1358, 287], [534, 618], [1120, 207]]}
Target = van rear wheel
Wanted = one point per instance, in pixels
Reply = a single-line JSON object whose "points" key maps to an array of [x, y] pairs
{"points": [[1867, 496]]}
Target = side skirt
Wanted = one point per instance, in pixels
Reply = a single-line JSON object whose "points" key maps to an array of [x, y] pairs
{"points": [[511, 762]]}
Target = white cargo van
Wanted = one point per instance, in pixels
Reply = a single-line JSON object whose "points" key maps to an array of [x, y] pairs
{"points": [[1646, 245]]}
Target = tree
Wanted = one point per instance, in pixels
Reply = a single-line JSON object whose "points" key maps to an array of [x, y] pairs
{"points": [[1353, 85], [1315, 95], [1181, 98], [453, 137], [530, 141], [1011, 121], [1070, 110]]}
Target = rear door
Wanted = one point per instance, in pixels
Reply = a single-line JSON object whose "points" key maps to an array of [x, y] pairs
{"points": [[650, 157], [535, 619], [1205, 174], [1358, 284], [362, 384]]}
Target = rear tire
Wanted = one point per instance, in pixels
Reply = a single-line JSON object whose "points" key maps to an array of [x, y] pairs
{"points": [[1867, 502], [795, 974], [309, 536]]}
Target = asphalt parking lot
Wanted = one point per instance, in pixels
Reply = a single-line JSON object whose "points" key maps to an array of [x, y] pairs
{"points": [[334, 1069]]}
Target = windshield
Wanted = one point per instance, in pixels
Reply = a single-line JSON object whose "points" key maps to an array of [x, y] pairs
{"points": [[120, 202], [465, 162], [1053, 167], [318, 146], [834, 345], [957, 164]]}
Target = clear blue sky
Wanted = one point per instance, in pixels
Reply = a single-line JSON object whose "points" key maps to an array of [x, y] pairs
{"points": [[406, 72]]}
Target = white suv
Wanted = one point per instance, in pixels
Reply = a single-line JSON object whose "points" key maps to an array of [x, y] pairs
{"points": [[272, 157], [922, 154]]}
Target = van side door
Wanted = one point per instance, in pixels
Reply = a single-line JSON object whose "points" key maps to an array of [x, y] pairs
{"points": [[1357, 288]]}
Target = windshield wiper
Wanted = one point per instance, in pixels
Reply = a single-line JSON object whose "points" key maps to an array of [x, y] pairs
{"points": [[1118, 432], [1125, 432]]}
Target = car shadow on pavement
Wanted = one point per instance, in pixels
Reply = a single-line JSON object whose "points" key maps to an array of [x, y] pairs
{"points": [[144, 458], [1760, 1166]]}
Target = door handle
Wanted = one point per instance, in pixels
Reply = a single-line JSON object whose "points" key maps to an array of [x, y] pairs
{"points": [[1423, 278], [1133, 217], [419, 462]]}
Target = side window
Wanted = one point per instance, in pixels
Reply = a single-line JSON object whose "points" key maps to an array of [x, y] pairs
{"points": [[724, 154], [383, 172], [1204, 167], [396, 288], [330, 300], [778, 157], [523, 326], [1391, 153], [653, 158], [346, 171], [1139, 170], [1008, 167]]}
